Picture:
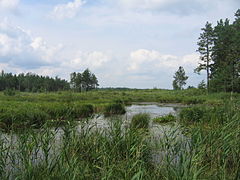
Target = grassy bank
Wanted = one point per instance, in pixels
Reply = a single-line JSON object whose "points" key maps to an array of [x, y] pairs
{"points": [[25, 109]]}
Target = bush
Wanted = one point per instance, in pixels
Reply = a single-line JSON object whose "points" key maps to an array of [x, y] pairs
{"points": [[9, 92], [140, 121], [165, 119], [114, 108]]}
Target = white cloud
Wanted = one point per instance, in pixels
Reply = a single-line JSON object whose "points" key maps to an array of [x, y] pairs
{"points": [[46, 52], [183, 7], [8, 4], [146, 4], [68, 10], [90, 60], [20, 52], [19, 48], [143, 60], [174, 6]]}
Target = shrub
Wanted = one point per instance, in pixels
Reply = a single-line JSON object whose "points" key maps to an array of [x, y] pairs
{"points": [[165, 119], [140, 121], [9, 92]]}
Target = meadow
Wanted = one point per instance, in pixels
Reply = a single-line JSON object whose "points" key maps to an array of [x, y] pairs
{"points": [[40, 138]]}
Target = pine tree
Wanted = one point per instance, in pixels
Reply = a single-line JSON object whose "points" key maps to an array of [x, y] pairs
{"points": [[179, 79], [83, 81], [205, 45]]}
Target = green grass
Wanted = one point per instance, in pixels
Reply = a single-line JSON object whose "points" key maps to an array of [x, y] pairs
{"points": [[80, 155], [204, 146], [204, 153], [114, 108], [65, 105], [165, 119], [140, 121]]}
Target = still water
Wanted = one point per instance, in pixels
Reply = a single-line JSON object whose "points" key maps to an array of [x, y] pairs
{"points": [[156, 131]]}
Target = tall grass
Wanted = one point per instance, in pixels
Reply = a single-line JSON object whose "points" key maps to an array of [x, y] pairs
{"points": [[113, 153], [81, 154], [114, 108], [204, 146], [140, 121], [214, 141]]}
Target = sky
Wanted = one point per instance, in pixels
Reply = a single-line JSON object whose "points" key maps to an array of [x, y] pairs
{"points": [[125, 43]]}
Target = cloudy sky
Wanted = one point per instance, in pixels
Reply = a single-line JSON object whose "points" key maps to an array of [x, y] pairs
{"points": [[126, 43]]}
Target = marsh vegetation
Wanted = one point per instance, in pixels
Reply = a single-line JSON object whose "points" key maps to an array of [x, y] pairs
{"points": [[201, 142]]}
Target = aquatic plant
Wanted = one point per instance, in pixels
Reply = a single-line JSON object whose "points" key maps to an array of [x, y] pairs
{"points": [[82, 111], [140, 121], [192, 114], [114, 108], [164, 119], [99, 154]]}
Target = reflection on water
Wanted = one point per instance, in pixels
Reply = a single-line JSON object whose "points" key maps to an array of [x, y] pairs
{"points": [[153, 110]]}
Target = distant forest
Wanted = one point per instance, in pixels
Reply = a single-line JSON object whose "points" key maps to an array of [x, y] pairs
{"points": [[31, 82]]}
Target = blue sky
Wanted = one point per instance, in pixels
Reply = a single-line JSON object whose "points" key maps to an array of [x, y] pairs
{"points": [[127, 43]]}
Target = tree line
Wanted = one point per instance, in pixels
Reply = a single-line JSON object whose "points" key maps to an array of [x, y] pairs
{"points": [[31, 82]]}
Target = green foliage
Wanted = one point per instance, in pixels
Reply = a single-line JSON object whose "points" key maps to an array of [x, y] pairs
{"points": [[9, 92], [140, 121], [114, 108], [83, 111], [206, 114], [115, 156], [165, 119], [219, 47], [205, 48], [22, 117], [83, 81], [202, 85], [192, 114], [30, 82], [179, 79], [66, 105], [207, 149]]}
